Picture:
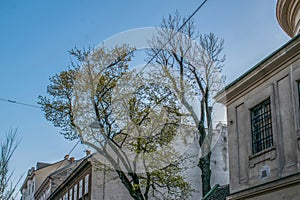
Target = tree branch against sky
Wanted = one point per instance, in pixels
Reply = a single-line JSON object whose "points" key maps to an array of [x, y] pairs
{"points": [[8, 148], [191, 63]]}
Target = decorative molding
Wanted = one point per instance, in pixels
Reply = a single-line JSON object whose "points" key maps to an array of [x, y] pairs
{"points": [[260, 73], [267, 154], [288, 16]]}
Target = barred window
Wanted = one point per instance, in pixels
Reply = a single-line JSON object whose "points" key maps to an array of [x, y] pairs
{"points": [[261, 126]]}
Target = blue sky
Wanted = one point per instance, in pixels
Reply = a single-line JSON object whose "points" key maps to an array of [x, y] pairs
{"points": [[36, 35]]}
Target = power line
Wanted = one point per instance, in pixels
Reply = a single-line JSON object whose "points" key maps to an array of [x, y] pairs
{"points": [[172, 36], [20, 103], [165, 44], [152, 58]]}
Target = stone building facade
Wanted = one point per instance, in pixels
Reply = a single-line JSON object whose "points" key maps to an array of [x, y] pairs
{"points": [[219, 162], [263, 111]]}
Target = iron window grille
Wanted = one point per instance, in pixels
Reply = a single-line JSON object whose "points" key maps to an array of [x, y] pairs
{"points": [[261, 126]]}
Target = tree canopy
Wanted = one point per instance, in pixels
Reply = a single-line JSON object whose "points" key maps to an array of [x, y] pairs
{"points": [[130, 122]]}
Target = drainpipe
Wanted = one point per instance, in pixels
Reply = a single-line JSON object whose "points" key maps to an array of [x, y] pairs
{"points": [[211, 191]]}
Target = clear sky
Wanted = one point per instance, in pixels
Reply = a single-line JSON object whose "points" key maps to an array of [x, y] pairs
{"points": [[36, 35]]}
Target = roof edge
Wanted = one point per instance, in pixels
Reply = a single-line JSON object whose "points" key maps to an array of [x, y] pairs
{"points": [[220, 97]]}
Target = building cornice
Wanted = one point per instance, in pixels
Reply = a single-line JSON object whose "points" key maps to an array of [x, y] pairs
{"points": [[260, 72], [85, 164], [50, 176], [266, 187]]}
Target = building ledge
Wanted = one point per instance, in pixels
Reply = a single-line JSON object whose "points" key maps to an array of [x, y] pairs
{"points": [[266, 187], [267, 154]]}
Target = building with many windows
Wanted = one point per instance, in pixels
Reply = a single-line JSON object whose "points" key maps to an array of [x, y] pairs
{"points": [[263, 111], [36, 176], [54, 180], [90, 180]]}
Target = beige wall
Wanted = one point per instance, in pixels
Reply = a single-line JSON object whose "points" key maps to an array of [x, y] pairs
{"points": [[106, 185], [42, 174], [38, 176], [289, 193], [283, 159], [219, 167]]}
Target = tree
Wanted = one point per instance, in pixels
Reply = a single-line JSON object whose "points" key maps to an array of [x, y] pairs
{"points": [[191, 63], [8, 147], [89, 96]]}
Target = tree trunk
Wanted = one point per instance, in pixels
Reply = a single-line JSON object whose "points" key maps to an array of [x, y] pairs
{"points": [[135, 193], [204, 164], [204, 161]]}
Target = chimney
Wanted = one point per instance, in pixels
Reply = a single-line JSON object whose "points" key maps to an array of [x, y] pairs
{"points": [[87, 152], [67, 157], [72, 159]]}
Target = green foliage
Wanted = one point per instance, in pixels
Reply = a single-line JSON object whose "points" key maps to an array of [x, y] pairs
{"points": [[155, 111], [169, 179], [143, 121], [57, 106]]}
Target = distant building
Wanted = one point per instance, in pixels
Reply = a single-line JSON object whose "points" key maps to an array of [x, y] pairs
{"points": [[263, 110], [88, 179], [219, 163], [219, 158], [54, 180], [36, 176], [91, 181]]}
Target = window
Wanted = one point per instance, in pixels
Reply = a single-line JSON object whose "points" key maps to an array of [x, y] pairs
{"points": [[75, 192], [86, 184], [80, 188], [65, 196], [261, 126], [71, 194]]}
